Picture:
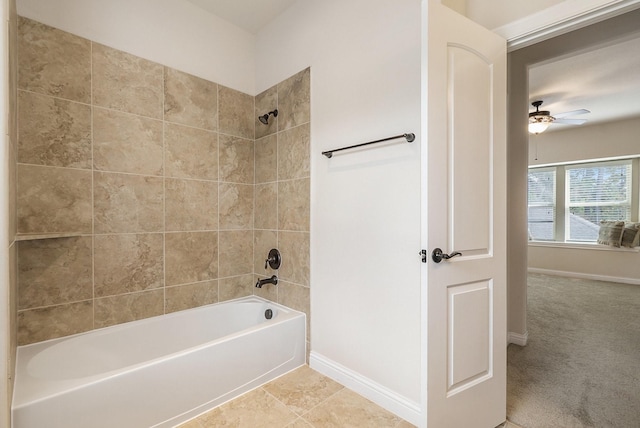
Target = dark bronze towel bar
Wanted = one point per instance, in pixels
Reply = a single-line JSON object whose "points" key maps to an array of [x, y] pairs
{"points": [[410, 137]]}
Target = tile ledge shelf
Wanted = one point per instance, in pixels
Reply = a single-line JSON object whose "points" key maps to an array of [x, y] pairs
{"points": [[53, 235]]}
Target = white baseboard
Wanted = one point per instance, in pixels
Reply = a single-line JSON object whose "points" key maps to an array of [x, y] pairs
{"points": [[382, 396], [517, 338], [623, 280]]}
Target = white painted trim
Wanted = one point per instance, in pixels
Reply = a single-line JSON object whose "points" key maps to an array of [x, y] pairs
{"points": [[382, 396], [581, 275], [517, 338], [559, 19]]}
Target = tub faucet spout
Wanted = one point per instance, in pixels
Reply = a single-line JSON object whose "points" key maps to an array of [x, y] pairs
{"points": [[273, 280]]}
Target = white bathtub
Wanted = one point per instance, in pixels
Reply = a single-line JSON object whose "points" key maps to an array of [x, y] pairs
{"points": [[156, 372]]}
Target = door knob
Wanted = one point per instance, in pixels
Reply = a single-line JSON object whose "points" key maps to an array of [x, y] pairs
{"points": [[437, 255]]}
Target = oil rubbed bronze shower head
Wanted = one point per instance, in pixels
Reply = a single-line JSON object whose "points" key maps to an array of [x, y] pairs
{"points": [[265, 117]]}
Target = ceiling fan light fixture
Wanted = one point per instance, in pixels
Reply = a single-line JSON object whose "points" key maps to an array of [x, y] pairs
{"points": [[539, 123]]}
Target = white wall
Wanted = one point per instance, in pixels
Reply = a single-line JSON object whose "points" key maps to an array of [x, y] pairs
{"points": [[175, 33], [586, 142], [598, 141], [617, 265], [365, 205]]}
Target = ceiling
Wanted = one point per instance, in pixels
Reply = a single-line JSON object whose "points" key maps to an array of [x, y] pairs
{"points": [[605, 81], [250, 15]]}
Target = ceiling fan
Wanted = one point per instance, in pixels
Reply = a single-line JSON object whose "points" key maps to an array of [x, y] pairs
{"points": [[540, 120]]}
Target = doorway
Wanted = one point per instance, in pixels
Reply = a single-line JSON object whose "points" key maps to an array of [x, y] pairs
{"points": [[605, 33]]}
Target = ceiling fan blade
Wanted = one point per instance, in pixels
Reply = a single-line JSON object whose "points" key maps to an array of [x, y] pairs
{"points": [[570, 121], [571, 113]]}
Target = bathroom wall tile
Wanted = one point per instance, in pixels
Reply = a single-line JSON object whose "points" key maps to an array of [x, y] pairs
{"points": [[296, 297], [12, 171], [265, 102], [53, 131], [126, 82], [236, 160], [294, 100], [263, 242], [128, 263], [235, 287], [124, 142], [181, 297], [128, 307], [191, 205], [266, 206], [191, 257], [236, 206], [53, 62], [190, 100], [12, 306], [236, 252], [293, 205], [190, 152], [293, 153], [236, 113], [268, 291], [127, 203], [36, 325], [294, 247], [12, 75], [266, 159], [54, 271], [53, 200]]}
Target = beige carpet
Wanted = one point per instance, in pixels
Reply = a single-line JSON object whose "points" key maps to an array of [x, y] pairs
{"points": [[581, 366]]}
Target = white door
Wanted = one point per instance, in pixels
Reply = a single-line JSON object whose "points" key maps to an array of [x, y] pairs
{"points": [[465, 201]]}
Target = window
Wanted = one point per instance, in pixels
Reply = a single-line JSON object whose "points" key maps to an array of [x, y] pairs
{"points": [[542, 203], [567, 202], [596, 192]]}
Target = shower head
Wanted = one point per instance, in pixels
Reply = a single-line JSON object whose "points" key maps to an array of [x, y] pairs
{"points": [[265, 117]]}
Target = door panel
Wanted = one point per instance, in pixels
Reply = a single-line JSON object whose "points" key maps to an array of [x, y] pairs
{"points": [[470, 336], [469, 88], [465, 211]]}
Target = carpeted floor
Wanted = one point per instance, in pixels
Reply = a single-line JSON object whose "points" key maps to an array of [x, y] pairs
{"points": [[581, 366]]}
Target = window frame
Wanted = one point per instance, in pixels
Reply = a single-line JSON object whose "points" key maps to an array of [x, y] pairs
{"points": [[562, 206]]}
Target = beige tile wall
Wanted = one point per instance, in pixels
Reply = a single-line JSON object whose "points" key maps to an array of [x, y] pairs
{"points": [[157, 174], [282, 178]]}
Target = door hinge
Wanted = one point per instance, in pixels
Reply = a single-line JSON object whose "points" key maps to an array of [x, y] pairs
{"points": [[423, 253]]}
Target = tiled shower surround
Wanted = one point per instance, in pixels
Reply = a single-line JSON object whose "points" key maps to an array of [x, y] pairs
{"points": [[171, 189]]}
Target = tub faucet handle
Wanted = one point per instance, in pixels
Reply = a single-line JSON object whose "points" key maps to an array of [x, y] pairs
{"points": [[273, 259]]}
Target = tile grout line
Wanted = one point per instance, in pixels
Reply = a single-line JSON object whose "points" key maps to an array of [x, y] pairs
{"points": [[297, 416]]}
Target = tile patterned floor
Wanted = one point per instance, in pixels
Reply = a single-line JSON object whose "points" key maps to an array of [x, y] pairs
{"points": [[302, 398]]}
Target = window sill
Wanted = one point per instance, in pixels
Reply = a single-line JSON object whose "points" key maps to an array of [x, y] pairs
{"points": [[582, 246]]}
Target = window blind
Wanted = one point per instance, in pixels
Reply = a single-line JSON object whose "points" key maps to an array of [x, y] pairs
{"points": [[542, 203], [596, 192]]}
